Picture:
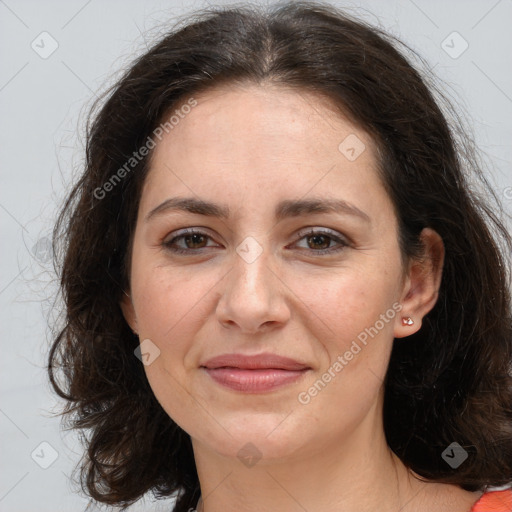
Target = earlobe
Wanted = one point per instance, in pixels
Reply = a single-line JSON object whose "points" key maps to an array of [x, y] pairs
{"points": [[128, 310], [421, 288]]}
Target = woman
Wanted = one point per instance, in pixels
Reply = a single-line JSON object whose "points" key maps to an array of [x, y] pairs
{"points": [[281, 291]]}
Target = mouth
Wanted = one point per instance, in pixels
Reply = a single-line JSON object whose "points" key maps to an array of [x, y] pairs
{"points": [[254, 374]]}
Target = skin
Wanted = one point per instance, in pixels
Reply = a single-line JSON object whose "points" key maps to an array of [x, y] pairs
{"points": [[250, 147]]}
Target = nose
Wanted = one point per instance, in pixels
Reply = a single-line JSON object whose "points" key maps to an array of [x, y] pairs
{"points": [[253, 295]]}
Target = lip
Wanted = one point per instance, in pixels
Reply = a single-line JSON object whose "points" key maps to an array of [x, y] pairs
{"points": [[254, 374], [255, 362]]}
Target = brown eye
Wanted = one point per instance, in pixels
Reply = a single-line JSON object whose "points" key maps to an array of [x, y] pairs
{"points": [[194, 240], [187, 242], [320, 242]]}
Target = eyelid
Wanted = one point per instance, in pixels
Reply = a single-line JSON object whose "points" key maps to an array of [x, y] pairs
{"points": [[321, 230], [342, 240], [199, 230], [192, 230]]}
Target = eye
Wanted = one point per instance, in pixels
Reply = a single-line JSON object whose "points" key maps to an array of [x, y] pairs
{"points": [[191, 240], [319, 241]]}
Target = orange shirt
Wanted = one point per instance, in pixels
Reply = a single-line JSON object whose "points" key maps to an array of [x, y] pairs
{"points": [[494, 501]]}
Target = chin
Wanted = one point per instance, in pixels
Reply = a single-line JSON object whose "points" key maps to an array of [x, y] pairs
{"points": [[262, 439]]}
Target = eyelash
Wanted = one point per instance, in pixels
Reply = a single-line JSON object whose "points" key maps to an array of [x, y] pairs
{"points": [[310, 233]]}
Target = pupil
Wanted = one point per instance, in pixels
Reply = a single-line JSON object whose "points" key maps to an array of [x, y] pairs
{"points": [[319, 237], [194, 239]]}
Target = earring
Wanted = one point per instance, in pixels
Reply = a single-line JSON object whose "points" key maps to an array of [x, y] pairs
{"points": [[407, 321]]}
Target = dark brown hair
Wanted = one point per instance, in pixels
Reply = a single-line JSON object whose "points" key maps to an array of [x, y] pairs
{"points": [[450, 382]]}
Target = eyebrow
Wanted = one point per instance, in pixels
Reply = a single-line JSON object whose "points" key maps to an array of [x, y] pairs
{"points": [[284, 209]]}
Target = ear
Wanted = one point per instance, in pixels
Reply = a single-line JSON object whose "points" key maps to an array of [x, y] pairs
{"points": [[422, 283], [129, 312]]}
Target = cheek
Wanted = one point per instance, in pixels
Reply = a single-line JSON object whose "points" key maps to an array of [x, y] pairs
{"points": [[354, 322], [171, 304], [346, 304], [170, 311]]}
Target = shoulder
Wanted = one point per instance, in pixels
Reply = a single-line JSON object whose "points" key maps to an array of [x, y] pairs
{"points": [[494, 501]]}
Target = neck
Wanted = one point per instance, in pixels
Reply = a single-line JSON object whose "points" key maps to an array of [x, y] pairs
{"points": [[357, 473], [341, 472]]}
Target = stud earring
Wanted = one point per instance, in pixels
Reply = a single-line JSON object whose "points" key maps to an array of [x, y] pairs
{"points": [[407, 321]]}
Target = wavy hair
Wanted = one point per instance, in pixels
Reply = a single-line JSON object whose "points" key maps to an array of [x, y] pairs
{"points": [[451, 381]]}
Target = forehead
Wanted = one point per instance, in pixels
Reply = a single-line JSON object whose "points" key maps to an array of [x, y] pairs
{"points": [[262, 142], [238, 117]]}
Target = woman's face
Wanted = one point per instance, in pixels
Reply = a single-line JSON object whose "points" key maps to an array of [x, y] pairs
{"points": [[268, 273]]}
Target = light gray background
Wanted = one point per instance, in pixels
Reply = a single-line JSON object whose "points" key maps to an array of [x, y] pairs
{"points": [[42, 107]]}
